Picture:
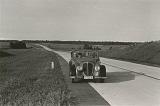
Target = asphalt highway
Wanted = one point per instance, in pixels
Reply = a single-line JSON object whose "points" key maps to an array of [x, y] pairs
{"points": [[128, 84]]}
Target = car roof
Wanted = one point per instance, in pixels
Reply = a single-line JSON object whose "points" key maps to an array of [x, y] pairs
{"points": [[84, 50]]}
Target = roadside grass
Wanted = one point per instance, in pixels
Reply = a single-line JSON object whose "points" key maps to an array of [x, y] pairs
{"points": [[27, 79], [145, 53]]}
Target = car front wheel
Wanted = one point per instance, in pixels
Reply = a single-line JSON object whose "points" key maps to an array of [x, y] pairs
{"points": [[102, 71], [76, 80]]}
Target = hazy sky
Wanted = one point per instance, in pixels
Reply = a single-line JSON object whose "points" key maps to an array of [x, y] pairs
{"points": [[100, 20]]}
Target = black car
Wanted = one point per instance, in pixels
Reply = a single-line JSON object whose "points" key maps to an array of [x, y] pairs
{"points": [[85, 64]]}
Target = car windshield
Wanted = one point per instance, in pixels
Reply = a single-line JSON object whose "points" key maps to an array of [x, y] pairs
{"points": [[85, 54]]}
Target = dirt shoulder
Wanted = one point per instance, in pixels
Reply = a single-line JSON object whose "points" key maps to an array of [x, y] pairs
{"points": [[86, 95]]}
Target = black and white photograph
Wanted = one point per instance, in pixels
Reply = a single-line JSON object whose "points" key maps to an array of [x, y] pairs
{"points": [[79, 52]]}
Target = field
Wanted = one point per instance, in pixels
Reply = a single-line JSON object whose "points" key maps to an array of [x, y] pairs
{"points": [[63, 47], [27, 78]]}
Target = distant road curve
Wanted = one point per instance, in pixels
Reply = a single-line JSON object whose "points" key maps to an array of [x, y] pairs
{"points": [[128, 84]]}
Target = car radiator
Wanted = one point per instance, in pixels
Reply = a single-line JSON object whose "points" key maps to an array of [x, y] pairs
{"points": [[88, 68]]}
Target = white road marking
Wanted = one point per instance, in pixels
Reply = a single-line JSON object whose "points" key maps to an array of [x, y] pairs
{"points": [[124, 88]]}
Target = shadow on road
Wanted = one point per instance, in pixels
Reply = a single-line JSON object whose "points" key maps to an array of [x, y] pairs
{"points": [[117, 77]]}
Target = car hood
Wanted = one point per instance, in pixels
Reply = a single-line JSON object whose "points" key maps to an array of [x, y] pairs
{"points": [[80, 60]]}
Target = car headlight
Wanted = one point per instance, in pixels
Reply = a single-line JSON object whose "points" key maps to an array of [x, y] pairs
{"points": [[97, 68], [79, 67]]}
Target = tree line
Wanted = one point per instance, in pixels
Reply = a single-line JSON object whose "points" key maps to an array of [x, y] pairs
{"points": [[76, 42], [83, 42]]}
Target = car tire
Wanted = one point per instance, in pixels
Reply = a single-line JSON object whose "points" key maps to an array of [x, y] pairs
{"points": [[73, 71], [76, 80], [102, 71], [73, 80]]}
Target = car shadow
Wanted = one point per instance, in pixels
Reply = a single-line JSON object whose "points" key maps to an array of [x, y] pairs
{"points": [[117, 77]]}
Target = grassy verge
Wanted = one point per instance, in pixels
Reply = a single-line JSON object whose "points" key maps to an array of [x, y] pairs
{"points": [[146, 53], [27, 79]]}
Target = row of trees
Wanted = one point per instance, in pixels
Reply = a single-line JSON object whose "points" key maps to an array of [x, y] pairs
{"points": [[82, 42], [76, 42]]}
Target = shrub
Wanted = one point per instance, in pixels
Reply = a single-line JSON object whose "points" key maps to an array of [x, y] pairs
{"points": [[4, 54], [18, 45]]}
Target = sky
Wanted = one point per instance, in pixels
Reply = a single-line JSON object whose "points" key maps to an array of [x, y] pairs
{"points": [[93, 20]]}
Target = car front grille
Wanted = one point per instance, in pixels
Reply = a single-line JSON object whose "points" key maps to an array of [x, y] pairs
{"points": [[88, 69]]}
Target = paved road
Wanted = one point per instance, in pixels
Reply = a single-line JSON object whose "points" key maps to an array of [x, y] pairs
{"points": [[128, 84]]}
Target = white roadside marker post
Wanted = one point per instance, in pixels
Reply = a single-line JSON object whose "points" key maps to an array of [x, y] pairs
{"points": [[52, 65]]}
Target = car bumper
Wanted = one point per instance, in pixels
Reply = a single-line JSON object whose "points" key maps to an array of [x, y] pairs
{"points": [[100, 77], [91, 78]]}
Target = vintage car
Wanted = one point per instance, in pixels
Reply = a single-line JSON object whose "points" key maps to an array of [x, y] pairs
{"points": [[85, 64]]}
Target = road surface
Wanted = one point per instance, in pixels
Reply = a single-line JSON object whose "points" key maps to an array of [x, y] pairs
{"points": [[128, 84]]}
